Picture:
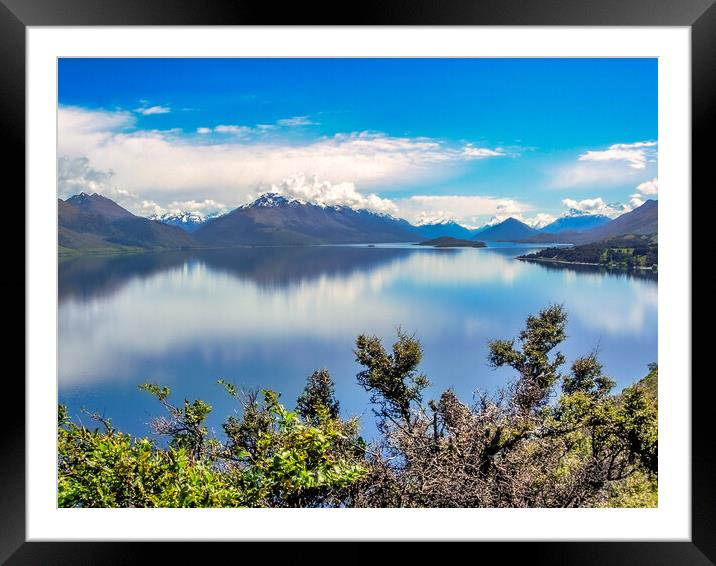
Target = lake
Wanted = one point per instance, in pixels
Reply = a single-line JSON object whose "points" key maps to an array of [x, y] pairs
{"points": [[267, 317]]}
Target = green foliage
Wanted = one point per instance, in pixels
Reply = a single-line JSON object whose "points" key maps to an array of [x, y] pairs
{"points": [[618, 435], [392, 379], [638, 490], [296, 464], [587, 377], [638, 419], [521, 449], [538, 373], [111, 469], [273, 458], [623, 252], [318, 394], [185, 424], [530, 446]]}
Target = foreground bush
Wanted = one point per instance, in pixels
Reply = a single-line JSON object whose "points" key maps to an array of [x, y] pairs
{"points": [[273, 458], [547, 440]]}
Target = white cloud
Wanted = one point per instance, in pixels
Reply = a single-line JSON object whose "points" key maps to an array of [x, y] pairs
{"points": [[620, 164], [466, 210], [296, 121], [232, 129], [204, 207], [259, 128], [71, 119], [594, 175], [433, 217], [512, 209], [591, 205], [635, 154], [649, 187], [644, 190], [479, 152], [597, 205], [310, 189], [147, 208], [76, 176], [165, 167], [149, 110], [539, 220], [635, 201]]}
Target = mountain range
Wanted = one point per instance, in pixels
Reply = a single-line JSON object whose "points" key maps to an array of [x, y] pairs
{"points": [[643, 220], [273, 219], [96, 223], [444, 228], [188, 221]]}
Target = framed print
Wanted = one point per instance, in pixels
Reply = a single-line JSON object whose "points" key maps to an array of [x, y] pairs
{"points": [[395, 278]]}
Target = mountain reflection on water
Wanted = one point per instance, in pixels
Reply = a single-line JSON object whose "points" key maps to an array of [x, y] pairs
{"points": [[267, 317]]}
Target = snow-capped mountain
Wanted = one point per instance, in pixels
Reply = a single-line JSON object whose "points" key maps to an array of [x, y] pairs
{"points": [[272, 200], [188, 221], [433, 221], [274, 219], [640, 221]]}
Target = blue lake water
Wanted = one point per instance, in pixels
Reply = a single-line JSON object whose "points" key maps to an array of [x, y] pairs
{"points": [[267, 317]]}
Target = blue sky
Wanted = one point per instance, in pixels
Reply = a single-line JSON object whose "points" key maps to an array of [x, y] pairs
{"points": [[475, 140]]}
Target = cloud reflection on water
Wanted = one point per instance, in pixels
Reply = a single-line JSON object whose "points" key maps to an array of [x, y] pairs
{"points": [[115, 314]]}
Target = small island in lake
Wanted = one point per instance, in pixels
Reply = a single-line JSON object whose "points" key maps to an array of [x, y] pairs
{"points": [[449, 242]]}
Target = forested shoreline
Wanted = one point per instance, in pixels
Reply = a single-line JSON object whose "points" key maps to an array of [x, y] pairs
{"points": [[622, 252]]}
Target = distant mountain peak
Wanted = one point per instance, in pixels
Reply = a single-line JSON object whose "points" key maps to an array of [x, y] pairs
{"points": [[98, 204], [82, 197], [187, 220], [268, 200], [438, 227], [643, 220], [575, 212], [97, 222], [179, 216], [509, 230], [436, 221], [495, 221], [276, 219]]}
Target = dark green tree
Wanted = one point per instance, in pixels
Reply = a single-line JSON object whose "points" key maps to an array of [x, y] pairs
{"points": [[537, 372], [587, 376], [392, 379], [185, 424], [318, 394]]}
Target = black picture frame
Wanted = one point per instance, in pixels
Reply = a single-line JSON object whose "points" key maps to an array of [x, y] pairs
{"points": [[699, 15]]}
